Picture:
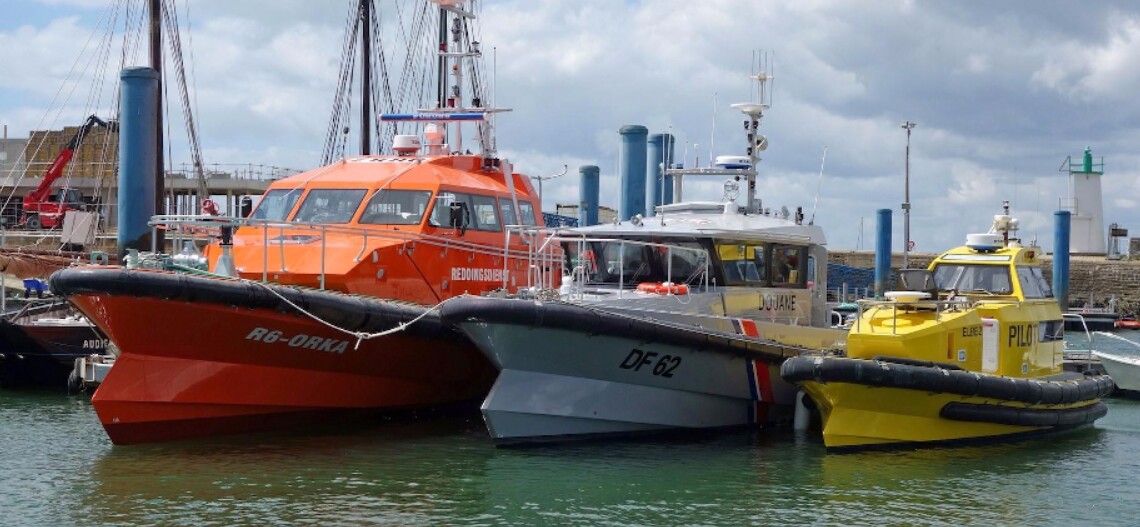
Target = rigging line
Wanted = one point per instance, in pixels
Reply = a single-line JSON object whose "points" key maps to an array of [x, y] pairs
{"points": [[338, 116], [170, 17], [190, 44], [377, 94], [334, 115], [44, 123], [819, 186], [108, 149], [107, 14]]}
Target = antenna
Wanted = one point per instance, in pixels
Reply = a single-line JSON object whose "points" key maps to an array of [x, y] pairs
{"points": [[540, 179], [819, 186], [712, 136], [494, 98]]}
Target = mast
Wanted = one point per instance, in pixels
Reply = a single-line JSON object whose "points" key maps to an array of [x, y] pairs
{"points": [[365, 77], [441, 77], [756, 143], [156, 64], [451, 110]]}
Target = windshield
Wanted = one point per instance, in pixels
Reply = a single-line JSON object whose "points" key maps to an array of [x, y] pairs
{"points": [[396, 207], [276, 204], [973, 278], [631, 263], [330, 205]]}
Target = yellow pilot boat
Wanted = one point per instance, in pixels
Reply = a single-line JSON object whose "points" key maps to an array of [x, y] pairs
{"points": [[969, 349]]}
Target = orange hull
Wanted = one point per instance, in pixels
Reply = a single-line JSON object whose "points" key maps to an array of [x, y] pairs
{"points": [[191, 369]]}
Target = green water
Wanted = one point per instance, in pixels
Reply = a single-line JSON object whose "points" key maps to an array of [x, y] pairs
{"points": [[58, 468]]}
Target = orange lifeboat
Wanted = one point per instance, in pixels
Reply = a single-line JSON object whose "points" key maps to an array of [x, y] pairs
{"points": [[663, 288], [1127, 322]]}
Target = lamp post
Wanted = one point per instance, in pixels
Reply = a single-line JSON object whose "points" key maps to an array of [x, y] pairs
{"points": [[908, 125]]}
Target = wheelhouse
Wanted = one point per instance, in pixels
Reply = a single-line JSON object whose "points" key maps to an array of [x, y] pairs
{"points": [[395, 207], [684, 260]]}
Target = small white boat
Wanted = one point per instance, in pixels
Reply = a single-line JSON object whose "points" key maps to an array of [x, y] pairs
{"points": [[1123, 368]]}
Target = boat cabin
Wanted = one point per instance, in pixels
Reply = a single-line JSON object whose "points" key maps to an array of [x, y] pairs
{"points": [[685, 261], [1008, 272]]}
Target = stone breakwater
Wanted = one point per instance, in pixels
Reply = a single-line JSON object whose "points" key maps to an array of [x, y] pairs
{"points": [[1091, 278]]}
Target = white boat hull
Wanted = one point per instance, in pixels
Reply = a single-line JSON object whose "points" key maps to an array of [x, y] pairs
{"points": [[1125, 371]]}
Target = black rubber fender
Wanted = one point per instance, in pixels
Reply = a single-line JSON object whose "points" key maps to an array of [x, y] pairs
{"points": [[356, 313], [1069, 390], [562, 315], [1036, 417]]}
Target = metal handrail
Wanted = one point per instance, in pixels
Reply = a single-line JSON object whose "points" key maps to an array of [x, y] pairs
{"points": [[547, 255], [196, 227]]}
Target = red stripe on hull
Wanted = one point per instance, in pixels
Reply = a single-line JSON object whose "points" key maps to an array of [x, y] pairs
{"points": [[193, 369], [749, 328]]}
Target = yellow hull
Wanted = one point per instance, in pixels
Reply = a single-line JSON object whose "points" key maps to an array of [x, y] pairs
{"points": [[867, 416]]}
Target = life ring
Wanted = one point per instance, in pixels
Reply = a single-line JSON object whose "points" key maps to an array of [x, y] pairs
{"points": [[209, 207], [663, 288]]}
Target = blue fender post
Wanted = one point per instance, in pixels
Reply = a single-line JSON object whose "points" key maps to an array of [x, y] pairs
{"points": [[1061, 258], [589, 191], [138, 156], [660, 158], [633, 157], [882, 252]]}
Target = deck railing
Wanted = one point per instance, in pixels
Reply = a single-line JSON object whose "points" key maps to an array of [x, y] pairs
{"points": [[276, 235]]}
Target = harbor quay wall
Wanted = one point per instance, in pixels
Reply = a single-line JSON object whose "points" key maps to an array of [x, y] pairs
{"points": [[1091, 278]]}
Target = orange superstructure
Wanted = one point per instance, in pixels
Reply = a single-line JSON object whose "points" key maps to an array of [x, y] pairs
{"points": [[397, 239]]}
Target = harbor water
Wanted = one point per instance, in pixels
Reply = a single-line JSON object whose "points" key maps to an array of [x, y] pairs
{"points": [[58, 468]]}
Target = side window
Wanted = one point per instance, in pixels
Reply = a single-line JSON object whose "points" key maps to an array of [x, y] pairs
{"points": [[1042, 284], [630, 262], [685, 265], [276, 204], [484, 214], [326, 206], [742, 263], [396, 207], [507, 211], [441, 209], [788, 266], [1029, 286], [527, 211]]}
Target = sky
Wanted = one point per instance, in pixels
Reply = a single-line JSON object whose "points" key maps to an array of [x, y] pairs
{"points": [[1002, 93]]}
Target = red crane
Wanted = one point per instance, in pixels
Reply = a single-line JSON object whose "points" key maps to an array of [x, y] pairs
{"points": [[41, 208]]}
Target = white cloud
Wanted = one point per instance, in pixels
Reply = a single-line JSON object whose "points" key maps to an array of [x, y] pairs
{"points": [[1091, 71]]}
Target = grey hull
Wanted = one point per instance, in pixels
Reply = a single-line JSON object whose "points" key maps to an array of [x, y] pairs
{"points": [[570, 371]]}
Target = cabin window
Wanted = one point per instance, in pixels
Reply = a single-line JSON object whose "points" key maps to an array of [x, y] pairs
{"points": [[396, 207], [441, 211], [325, 206], [1032, 282], [788, 266], [632, 263], [507, 210], [683, 265], [527, 211], [577, 254], [483, 211], [742, 263], [972, 278], [627, 262], [1042, 282], [477, 212], [276, 204]]}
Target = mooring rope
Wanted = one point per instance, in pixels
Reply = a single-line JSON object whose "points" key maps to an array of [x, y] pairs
{"points": [[359, 335]]}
